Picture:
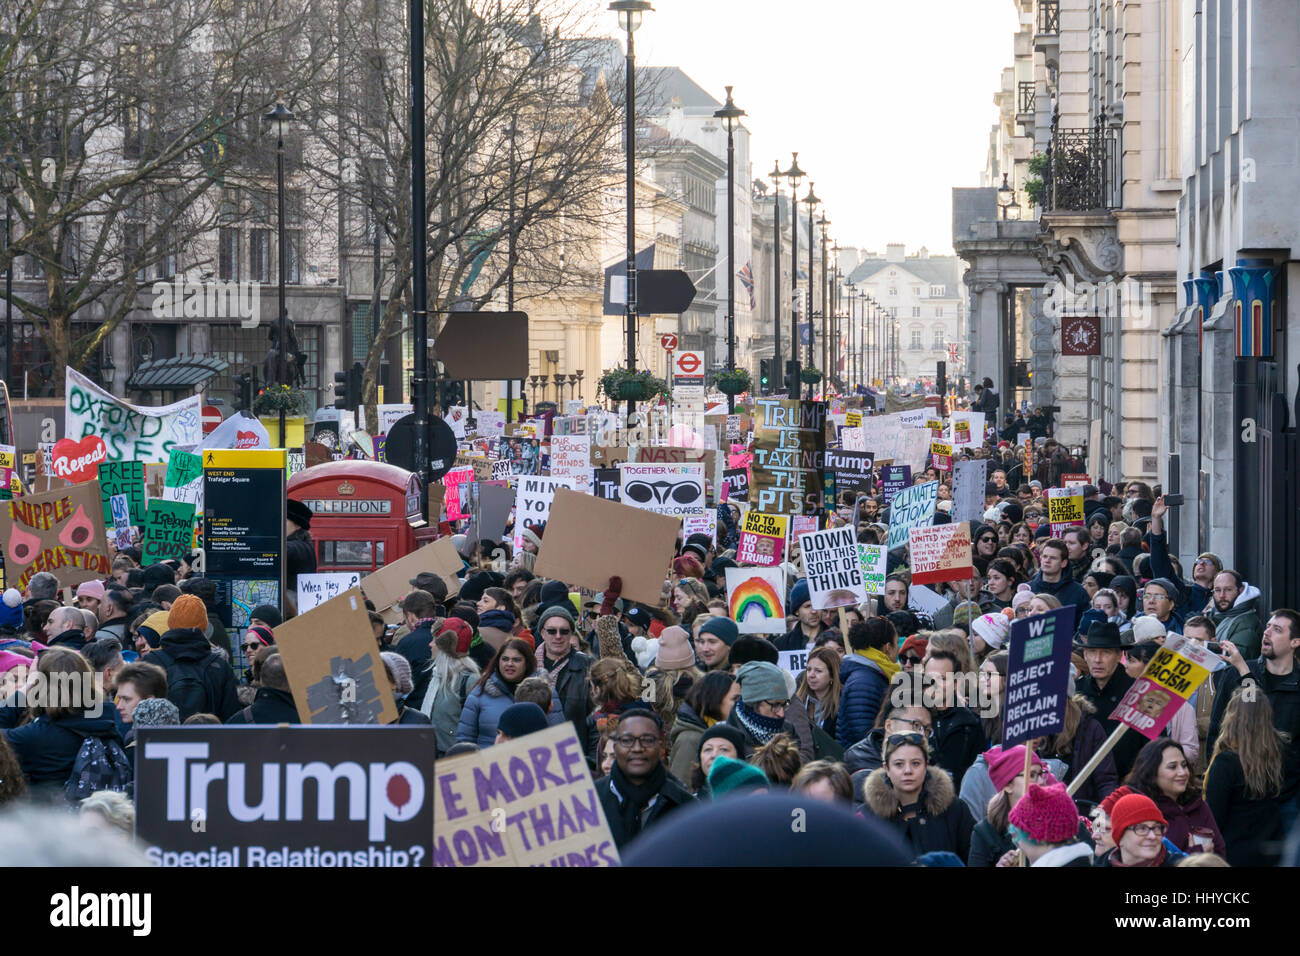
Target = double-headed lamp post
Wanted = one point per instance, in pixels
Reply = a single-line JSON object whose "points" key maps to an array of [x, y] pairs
{"points": [[9, 172], [280, 118], [811, 201], [730, 115], [629, 19], [794, 175], [776, 176]]}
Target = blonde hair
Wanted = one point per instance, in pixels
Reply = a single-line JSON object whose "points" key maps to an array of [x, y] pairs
{"points": [[614, 682], [666, 699], [116, 808], [778, 759], [955, 642], [1202, 859]]}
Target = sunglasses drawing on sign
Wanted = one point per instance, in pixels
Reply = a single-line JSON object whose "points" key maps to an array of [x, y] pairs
{"points": [[661, 492]]}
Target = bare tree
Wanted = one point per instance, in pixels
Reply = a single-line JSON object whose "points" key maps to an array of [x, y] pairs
{"points": [[122, 117], [521, 144]]}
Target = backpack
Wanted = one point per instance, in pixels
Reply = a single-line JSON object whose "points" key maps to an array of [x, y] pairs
{"points": [[185, 684], [100, 765]]}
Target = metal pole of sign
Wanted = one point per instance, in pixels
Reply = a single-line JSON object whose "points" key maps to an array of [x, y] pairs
{"points": [[419, 292]]}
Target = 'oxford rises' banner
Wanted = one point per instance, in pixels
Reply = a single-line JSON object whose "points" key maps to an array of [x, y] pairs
{"points": [[131, 432]]}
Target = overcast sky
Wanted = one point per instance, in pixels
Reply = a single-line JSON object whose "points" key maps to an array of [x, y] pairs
{"points": [[889, 102]]}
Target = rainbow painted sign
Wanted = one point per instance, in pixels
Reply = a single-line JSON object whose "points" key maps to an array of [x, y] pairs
{"points": [[756, 599]]}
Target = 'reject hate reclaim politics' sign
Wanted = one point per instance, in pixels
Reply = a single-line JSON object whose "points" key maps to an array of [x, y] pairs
{"points": [[1038, 675], [285, 796]]}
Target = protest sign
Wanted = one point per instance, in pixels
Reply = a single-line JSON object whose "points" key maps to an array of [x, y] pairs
{"points": [[756, 599], [452, 481], [873, 558], [333, 666], [392, 582], [492, 513], [802, 524], [969, 479], [911, 508], [894, 478], [852, 419], [522, 455], [523, 802], [184, 478], [59, 531], [961, 433], [706, 524], [833, 568], [78, 461], [605, 483], [1074, 480], [967, 429], [168, 531], [315, 589], [1064, 509], [665, 489], [852, 470], [941, 456], [912, 448], [793, 663], [789, 452], [737, 484], [239, 431], [123, 478], [935, 427], [129, 432], [121, 513], [924, 599], [491, 423], [299, 817], [940, 553], [852, 439], [533, 502], [571, 460], [762, 539], [632, 543], [1038, 675], [1173, 675]]}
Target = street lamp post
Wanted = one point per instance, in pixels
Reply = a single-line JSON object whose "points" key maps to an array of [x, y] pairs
{"points": [[811, 201], [730, 114], [280, 118], [794, 175], [776, 175], [629, 19], [10, 173]]}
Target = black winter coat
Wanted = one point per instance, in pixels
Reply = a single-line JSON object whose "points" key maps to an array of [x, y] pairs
{"points": [[299, 558], [671, 796], [987, 846], [958, 741], [186, 649], [1104, 702], [415, 648], [1284, 694], [943, 824], [571, 687], [1088, 738], [270, 706], [46, 749]]}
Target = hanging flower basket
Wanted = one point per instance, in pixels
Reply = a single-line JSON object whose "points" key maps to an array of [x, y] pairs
{"points": [[277, 398], [810, 375], [620, 384], [733, 381]]}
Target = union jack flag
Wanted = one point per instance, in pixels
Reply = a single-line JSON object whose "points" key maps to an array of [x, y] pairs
{"points": [[746, 277]]}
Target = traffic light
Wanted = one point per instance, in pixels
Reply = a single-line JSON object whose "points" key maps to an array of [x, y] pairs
{"points": [[245, 387], [765, 375], [347, 387], [792, 383], [450, 392]]}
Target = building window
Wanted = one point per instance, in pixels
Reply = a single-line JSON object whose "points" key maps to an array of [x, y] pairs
{"points": [[293, 251], [893, 291], [228, 253], [916, 340], [938, 312], [936, 291], [259, 255], [938, 338], [916, 311], [916, 291], [245, 349]]}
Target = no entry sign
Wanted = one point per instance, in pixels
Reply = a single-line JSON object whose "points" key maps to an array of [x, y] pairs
{"points": [[211, 418]]}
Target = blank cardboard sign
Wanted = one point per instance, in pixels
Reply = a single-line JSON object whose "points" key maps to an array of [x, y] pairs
{"points": [[333, 665], [588, 540], [484, 345], [392, 582]]}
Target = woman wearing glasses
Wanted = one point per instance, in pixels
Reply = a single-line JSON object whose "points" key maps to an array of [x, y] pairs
{"points": [[1161, 772], [1138, 829], [919, 800], [495, 691]]}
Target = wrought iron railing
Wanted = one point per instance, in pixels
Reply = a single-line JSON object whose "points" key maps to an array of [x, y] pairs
{"points": [[1026, 96], [1079, 174], [1049, 16]]}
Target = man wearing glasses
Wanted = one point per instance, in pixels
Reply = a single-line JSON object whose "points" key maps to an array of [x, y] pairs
{"points": [[1160, 599], [639, 791], [566, 667]]}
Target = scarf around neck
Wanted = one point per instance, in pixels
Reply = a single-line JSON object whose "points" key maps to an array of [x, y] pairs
{"points": [[636, 797], [761, 728], [879, 658]]}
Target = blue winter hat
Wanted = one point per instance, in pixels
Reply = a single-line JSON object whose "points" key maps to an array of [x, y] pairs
{"points": [[1088, 618], [519, 720], [723, 628], [799, 595], [11, 610]]}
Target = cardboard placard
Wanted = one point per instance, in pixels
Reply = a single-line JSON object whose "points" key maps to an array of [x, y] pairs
{"points": [[315, 589], [1064, 509], [121, 522], [762, 539], [363, 798], [706, 524], [833, 568], [571, 460], [124, 478], [523, 802], [59, 531], [874, 559], [168, 531], [333, 666], [894, 478], [392, 582], [668, 489], [571, 552], [968, 482], [940, 553], [911, 508], [756, 599], [1172, 676], [1038, 675]]}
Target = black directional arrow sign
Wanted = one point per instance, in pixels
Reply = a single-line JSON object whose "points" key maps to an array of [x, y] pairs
{"points": [[664, 292]]}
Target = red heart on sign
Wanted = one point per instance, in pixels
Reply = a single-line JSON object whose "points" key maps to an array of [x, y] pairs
{"points": [[78, 461], [245, 439]]}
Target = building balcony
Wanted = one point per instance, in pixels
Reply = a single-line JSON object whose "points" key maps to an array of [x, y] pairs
{"points": [[1080, 176], [1047, 38], [1026, 99]]}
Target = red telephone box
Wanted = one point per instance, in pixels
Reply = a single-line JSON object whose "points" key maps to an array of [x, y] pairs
{"points": [[360, 511]]}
